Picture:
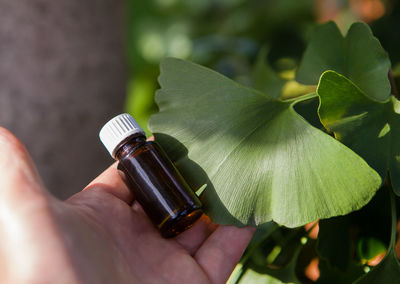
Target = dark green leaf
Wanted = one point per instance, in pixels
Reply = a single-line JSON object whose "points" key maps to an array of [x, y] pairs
{"points": [[358, 56], [262, 232], [369, 127], [263, 160], [333, 275], [334, 243], [286, 274], [388, 270]]}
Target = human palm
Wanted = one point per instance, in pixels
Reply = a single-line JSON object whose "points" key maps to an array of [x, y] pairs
{"points": [[99, 235]]}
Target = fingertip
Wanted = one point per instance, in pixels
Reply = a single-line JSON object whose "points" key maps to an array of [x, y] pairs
{"points": [[193, 238], [18, 175], [12, 150], [223, 249], [9, 143]]}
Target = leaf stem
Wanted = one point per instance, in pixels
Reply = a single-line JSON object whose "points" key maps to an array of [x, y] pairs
{"points": [[394, 219], [393, 84], [302, 98]]}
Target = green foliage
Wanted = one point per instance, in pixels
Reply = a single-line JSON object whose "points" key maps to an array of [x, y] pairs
{"points": [[359, 56], [273, 252], [388, 270], [333, 242], [264, 77], [368, 248], [224, 35], [369, 127], [233, 133], [241, 275], [271, 148]]}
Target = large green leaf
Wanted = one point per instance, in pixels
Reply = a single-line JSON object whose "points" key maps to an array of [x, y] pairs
{"points": [[359, 56], [262, 161], [369, 127]]}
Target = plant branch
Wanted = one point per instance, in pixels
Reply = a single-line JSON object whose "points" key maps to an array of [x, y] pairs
{"points": [[394, 219], [302, 98], [393, 84]]}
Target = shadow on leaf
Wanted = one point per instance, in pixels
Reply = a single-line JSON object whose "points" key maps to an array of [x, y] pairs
{"points": [[196, 177]]}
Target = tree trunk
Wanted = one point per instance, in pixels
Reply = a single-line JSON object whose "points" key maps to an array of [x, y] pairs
{"points": [[62, 76]]}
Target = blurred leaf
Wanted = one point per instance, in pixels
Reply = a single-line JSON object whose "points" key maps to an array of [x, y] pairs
{"points": [[332, 275], [370, 128], [273, 252], [140, 100], [286, 274], [359, 56], [334, 243], [338, 236], [247, 276], [368, 248], [383, 30], [262, 232], [388, 270], [264, 77], [252, 146], [293, 89], [250, 276]]}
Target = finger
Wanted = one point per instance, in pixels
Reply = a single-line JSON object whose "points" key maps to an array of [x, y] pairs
{"points": [[192, 239], [220, 253], [111, 182], [19, 179]]}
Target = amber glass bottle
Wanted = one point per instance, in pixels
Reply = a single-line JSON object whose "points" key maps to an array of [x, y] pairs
{"points": [[151, 176]]}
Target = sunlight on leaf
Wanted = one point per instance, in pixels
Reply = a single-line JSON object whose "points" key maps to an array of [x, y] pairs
{"points": [[264, 161]]}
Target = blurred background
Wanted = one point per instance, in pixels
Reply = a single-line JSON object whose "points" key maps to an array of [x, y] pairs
{"points": [[66, 67]]}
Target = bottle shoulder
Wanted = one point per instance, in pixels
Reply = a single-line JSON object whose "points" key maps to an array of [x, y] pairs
{"points": [[138, 148], [128, 145]]}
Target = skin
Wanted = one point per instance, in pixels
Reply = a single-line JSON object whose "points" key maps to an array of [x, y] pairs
{"points": [[99, 235]]}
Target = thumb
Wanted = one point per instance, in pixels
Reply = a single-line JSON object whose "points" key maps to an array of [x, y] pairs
{"points": [[19, 179]]}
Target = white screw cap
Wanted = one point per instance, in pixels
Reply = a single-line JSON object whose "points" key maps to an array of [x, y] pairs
{"points": [[117, 129]]}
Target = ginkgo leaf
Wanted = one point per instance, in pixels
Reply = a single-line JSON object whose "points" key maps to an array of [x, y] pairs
{"points": [[261, 160], [369, 127], [359, 56]]}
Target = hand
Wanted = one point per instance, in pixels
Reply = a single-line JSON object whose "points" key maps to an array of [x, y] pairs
{"points": [[99, 235]]}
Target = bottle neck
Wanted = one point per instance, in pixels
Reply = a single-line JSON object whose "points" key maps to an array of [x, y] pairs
{"points": [[127, 145]]}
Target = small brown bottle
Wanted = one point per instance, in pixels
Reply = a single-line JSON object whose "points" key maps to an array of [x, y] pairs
{"points": [[151, 176]]}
